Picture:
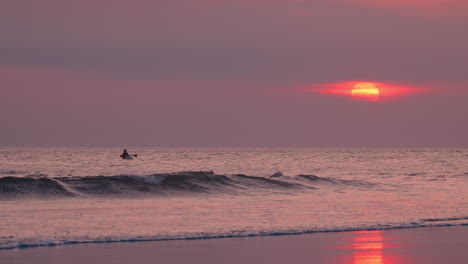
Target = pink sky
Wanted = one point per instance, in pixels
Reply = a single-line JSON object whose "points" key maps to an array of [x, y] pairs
{"points": [[231, 72]]}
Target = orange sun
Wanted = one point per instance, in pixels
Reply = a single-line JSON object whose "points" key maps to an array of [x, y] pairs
{"points": [[365, 91]]}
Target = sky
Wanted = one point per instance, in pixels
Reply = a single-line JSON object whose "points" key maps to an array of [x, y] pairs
{"points": [[247, 73]]}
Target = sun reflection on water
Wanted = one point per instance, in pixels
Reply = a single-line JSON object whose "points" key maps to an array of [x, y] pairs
{"points": [[368, 247]]}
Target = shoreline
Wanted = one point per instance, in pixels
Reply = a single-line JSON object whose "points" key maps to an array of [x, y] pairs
{"points": [[49, 244], [442, 244]]}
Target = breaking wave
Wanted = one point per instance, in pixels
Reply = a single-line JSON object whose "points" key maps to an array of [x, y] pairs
{"points": [[160, 184]]}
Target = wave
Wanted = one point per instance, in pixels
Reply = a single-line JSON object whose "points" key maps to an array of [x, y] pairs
{"points": [[190, 182], [236, 234], [332, 181], [17, 187], [444, 221], [12, 172]]}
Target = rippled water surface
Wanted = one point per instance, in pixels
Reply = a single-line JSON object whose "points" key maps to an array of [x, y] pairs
{"points": [[53, 196]]}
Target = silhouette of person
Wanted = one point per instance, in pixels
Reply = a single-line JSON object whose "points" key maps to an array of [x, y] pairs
{"points": [[124, 154]]}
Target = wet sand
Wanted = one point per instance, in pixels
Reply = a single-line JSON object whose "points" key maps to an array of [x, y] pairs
{"points": [[434, 245]]}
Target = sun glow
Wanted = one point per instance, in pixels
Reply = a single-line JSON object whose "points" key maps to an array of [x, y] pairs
{"points": [[368, 247], [365, 91]]}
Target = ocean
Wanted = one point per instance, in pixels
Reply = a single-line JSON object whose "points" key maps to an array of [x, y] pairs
{"points": [[64, 195]]}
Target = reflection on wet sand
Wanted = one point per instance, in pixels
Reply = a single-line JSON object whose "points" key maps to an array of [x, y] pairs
{"points": [[368, 246]]}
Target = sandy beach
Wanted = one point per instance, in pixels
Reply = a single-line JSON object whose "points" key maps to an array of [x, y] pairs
{"points": [[433, 245]]}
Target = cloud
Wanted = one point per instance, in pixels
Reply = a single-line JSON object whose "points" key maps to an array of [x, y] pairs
{"points": [[42, 86], [264, 42]]}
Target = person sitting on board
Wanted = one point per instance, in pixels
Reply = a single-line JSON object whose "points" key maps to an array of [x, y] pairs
{"points": [[124, 154]]}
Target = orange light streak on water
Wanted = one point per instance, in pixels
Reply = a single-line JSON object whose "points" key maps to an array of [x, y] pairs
{"points": [[369, 248]]}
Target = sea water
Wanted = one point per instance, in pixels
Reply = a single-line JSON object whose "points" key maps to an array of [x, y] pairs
{"points": [[52, 196]]}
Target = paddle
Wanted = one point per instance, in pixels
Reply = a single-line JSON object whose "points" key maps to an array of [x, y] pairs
{"points": [[134, 155]]}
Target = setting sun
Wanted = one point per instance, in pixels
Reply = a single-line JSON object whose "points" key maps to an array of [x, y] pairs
{"points": [[365, 91], [368, 91]]}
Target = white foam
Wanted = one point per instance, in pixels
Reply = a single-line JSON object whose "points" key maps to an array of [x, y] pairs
{"points": [[45, 243]]}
